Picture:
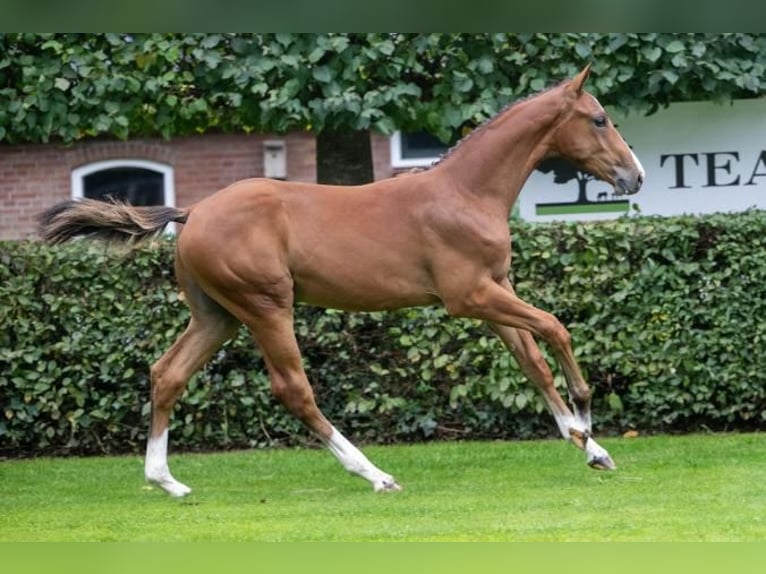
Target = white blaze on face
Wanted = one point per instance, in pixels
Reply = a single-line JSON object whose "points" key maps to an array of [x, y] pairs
{"points": [[639, 167]]}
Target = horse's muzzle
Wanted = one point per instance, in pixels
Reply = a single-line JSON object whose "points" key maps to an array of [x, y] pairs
{"points": [[628, 185]]}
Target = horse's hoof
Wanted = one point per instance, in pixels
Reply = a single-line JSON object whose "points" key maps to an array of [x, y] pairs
{"points": [[171, 486], [389, 485], [178, 490], [604, 462], [597, 456]]}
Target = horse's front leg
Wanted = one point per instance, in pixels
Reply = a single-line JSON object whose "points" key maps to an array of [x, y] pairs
{"points": [[515, 322], [535, 368]]}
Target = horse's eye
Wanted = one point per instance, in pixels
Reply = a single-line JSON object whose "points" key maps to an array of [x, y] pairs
{"points": [[600, 121]]}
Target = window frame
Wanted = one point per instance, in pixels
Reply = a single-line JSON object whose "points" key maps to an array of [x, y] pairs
{"points": [[168, 181], [397, 161]]}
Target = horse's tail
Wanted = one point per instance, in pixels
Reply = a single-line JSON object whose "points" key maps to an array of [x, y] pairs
{"points": [[111, 221]]}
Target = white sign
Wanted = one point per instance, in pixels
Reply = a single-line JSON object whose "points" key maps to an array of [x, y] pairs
{"points": [[699, 157]]}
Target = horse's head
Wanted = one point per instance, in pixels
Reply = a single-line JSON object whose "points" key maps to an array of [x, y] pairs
{"points": [[586, 136]]}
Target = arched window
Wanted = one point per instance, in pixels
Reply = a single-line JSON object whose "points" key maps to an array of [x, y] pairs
{"points": [[136, 182]]}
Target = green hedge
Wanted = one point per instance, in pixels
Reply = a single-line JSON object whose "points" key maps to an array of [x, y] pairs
{"points": [[666, 317]]}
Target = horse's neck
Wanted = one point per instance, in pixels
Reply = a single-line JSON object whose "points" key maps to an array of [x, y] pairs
{"points": [[497, 159]]}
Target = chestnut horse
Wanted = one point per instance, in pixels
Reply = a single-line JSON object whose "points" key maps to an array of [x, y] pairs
{"points": [[248, 253]]}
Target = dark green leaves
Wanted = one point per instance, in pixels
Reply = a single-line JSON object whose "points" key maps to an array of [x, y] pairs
{"points": [[61, 87]]}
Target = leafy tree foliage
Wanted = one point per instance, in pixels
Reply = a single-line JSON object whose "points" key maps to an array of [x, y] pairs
{"points": [[65, 87]]}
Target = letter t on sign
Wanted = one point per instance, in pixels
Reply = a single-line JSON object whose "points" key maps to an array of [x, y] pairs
{"points": [[679, 165]]}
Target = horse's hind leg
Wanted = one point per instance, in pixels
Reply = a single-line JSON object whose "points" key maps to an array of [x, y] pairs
{"points": [[533, 365], [272, 330], [209, 327]]}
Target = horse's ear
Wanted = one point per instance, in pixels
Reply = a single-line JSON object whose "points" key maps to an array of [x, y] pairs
{"points": [[579, 80]]}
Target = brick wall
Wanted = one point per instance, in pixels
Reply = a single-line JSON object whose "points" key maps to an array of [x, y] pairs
{"points": [[30, 177], [34, 177]]}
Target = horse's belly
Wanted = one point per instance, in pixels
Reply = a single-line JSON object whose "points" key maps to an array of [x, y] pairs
{"points": [[363, 293]]}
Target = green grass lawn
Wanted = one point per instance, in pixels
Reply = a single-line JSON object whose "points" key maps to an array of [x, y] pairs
{"points": [[690, 488]]}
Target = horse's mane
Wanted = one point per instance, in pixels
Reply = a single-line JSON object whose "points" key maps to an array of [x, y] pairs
{"points": [[483, 125]]}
